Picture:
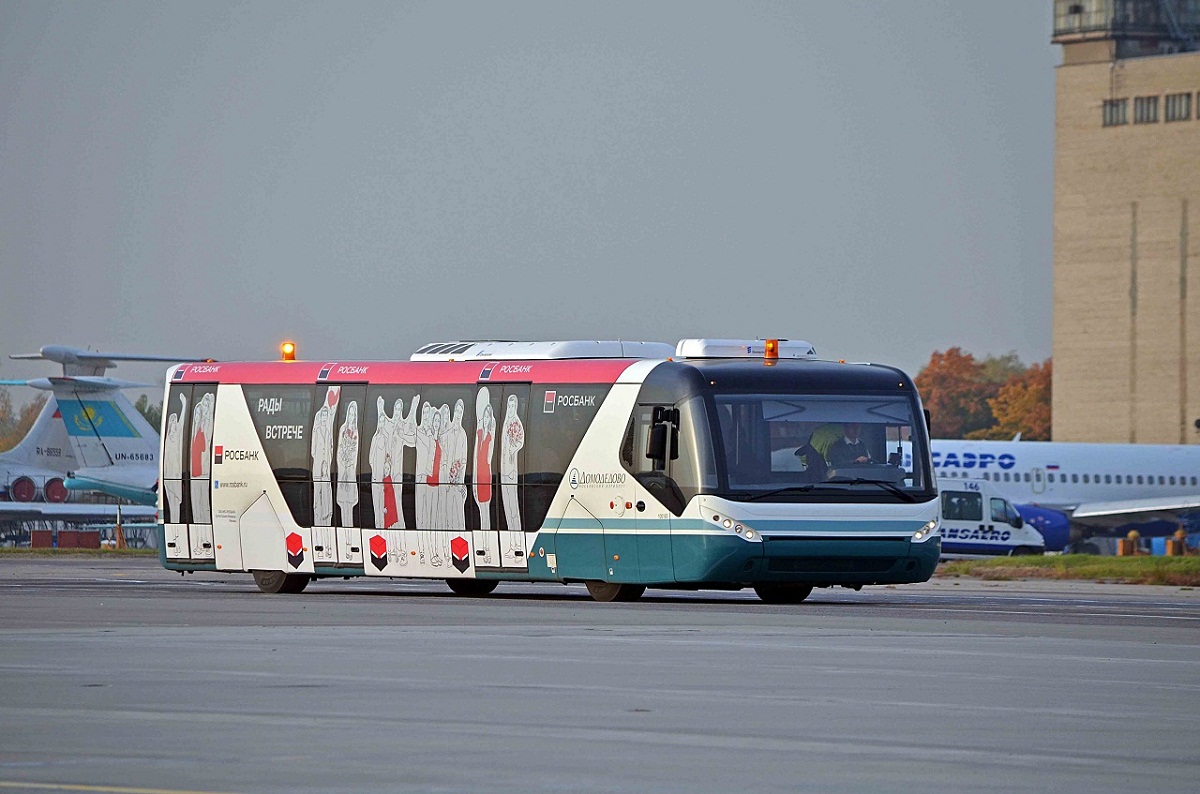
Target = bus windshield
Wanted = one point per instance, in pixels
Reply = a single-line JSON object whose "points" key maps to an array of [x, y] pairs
{"points": [[788, 445]]}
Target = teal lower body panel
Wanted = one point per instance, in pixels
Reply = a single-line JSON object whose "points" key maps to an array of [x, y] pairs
{"points": [[821, 561]]}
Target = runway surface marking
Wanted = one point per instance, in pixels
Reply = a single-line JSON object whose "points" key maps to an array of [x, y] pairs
{"points": [[110, 789]]}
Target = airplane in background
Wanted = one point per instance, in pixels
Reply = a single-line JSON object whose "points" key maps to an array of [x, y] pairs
{"points": [[1073, 491], [88, 437]]}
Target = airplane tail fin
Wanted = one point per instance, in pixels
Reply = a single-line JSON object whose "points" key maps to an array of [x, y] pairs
{"points": [[103, 426], [46, 443]]}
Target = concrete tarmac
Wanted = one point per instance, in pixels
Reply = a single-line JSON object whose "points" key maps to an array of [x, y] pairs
{"points": [[118, 676]]}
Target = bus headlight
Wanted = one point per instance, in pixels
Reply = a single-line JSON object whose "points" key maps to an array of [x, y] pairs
{"points": [[738, 528], [925, 532]]}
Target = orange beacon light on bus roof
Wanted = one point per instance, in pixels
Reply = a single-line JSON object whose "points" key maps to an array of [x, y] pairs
{"points": [[771, 349], [287, 351]]}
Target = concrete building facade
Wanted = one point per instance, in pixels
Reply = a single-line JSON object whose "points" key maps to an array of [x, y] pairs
{"points": [[1127, 222]]}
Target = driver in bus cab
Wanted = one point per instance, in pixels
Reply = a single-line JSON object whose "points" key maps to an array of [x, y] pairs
{"points": [[849, 449]]}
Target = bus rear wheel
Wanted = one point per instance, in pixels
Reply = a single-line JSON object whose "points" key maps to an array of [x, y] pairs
{"points": [[472, 587], [779, 593], [280, 582], [611, 591]]}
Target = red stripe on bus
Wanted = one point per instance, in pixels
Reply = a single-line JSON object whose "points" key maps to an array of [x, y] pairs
{"points": [[400, 372]]}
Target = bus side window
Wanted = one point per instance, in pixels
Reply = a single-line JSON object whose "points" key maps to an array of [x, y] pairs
{"points": [[175, 457], [283, 419], [674, 478]]}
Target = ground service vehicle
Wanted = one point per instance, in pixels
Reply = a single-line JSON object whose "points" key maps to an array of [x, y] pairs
{"points": [[621, 465], [978, 521]]}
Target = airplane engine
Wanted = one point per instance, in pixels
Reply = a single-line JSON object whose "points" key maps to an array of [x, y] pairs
{"points": [[54, 490], [1053, 525], [22, 489]]}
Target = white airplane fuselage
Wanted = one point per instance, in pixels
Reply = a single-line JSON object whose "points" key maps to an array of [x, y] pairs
{"points": [[1070, 490], [1061, 474]]}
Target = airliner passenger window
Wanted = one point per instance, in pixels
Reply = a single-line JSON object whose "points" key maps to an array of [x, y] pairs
{"points": [[1172, 479], [1162, 480], [1075, 478]]}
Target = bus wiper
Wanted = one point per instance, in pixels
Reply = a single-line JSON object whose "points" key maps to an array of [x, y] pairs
{"points": [[905, 495], [786, 489]]}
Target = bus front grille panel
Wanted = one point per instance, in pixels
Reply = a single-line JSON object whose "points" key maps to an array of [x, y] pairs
{"points": [[830, 564]]}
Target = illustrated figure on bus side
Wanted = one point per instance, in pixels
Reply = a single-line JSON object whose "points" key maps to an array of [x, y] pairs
{"points": [[404, 434], [322, 457], [347, 457], [511, 441], [173, 463], [455, 502], [201, 458], [429, 463], [379, 459], [481, 476]]}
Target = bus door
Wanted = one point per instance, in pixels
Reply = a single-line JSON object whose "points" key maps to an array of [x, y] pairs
{"points": [[640, 550], [509, 476], [187, 471], [336, 439]]}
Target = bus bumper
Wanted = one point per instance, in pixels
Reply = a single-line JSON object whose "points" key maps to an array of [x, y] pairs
{"points": [[816, 561]]}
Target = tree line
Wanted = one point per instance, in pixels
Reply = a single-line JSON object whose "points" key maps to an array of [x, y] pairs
{"points": [[993, 398]]}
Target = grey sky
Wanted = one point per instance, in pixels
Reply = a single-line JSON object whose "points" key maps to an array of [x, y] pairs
{"points": [[209, 178]]}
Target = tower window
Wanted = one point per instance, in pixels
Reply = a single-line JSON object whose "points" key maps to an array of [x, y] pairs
{"points": [[1145, 110], [1116, 112], [1178, 107]]}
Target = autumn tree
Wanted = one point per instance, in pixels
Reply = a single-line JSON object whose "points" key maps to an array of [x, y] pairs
{"points": [[152, 412], [955, 388], [1021, 406], [1001, 369], [13, 428]]}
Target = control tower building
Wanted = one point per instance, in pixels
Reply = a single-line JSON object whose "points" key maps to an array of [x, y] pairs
{"points": [[1127, 221]]}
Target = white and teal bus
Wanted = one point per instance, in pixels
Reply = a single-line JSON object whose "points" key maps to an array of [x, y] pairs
{"points": [[716, 464]]}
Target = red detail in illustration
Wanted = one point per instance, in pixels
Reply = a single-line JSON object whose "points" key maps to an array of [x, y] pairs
{"points": [[391, 516], [483, 465], [432, 479], [331, 398], [198, 446]]}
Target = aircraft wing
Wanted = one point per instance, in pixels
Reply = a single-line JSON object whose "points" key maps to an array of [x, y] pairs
{"points": [[72, 511], [1125, 511]]}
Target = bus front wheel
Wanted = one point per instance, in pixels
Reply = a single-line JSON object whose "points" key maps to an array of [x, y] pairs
{"points": [[775, 593], [280, 582], [472, 587], [611, 591]]}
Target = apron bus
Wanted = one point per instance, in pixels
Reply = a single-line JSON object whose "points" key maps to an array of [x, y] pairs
{"points": [[718, 464]]}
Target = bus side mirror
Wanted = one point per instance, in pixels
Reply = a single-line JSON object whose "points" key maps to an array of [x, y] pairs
{"points": [[1018, 522], [656, 445]]}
